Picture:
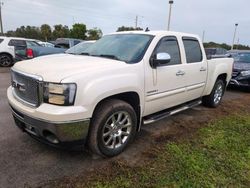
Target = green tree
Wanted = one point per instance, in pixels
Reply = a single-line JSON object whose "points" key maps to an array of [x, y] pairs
{"points": [[28, 32], [60, 31], [225, 46], [124, 28], [21, 32], [78, 31], [46, 32], [33, 32], [10, 33], [94, 34]]}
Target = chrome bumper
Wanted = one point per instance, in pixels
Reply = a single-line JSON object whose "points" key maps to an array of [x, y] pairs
{"points": [[240, 83], [234, 82], [52, 132]]}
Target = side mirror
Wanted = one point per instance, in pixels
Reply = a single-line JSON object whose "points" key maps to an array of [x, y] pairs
{"points": [[160, 59]]}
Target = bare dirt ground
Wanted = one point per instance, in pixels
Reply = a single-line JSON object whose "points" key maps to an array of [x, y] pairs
{"points": [[27, 163]]}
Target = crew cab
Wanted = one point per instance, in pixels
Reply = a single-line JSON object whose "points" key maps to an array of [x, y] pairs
{"points": [[103, 96]]}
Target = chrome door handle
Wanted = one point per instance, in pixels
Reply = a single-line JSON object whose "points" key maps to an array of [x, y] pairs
{"points": [[180, 73], [203, 69]]}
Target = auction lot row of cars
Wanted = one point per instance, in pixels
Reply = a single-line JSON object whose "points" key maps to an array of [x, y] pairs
{"points": [[99, 93], [14, 49]]}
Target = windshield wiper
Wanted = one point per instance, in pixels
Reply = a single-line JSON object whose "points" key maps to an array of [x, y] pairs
{"points": [[109, 56], [84, 53]]}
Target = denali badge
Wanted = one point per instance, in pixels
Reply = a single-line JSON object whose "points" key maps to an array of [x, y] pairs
{"points": [[19, 86]]}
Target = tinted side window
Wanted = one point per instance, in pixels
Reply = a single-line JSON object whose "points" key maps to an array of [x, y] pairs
{"points": [[170, 45], [17, 43], [192, 49], [32, 43], [1, 40], [62, 45], [76, 42]]}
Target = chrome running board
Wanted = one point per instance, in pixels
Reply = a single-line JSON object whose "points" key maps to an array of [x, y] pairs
{"points": [[169, 112]]}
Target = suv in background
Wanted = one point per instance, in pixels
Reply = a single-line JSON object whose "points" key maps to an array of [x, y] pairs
{"points": [[10, 48]]}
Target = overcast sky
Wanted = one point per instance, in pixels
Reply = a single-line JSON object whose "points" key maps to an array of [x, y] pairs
{"points": [[216, 17]]}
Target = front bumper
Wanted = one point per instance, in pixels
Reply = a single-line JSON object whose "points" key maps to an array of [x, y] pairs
{"points": [[51, 132], [240, 82]]}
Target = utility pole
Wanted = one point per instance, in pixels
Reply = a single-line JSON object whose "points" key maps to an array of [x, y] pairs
{"points": [[136, 22], [238, 43], [203, 36], [1, 21], [235, 31], [170, 12]]}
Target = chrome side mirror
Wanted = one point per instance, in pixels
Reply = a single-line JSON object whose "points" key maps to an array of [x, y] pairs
{"points": [[161, 59]]}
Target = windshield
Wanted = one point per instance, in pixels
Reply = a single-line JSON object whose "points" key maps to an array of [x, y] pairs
{"points": [[125, 47], [79, 48], [32, 43], [242, 57]]}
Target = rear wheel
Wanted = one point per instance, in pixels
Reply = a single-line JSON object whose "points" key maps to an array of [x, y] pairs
{"points": [[113, 128], [214, 99], [5, 60]]}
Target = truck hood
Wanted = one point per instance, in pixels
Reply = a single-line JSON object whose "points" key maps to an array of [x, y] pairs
{"points": [[55, 68]]}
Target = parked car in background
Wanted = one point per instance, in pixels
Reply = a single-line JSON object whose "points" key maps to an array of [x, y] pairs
{"points": [[79, 48], [66, 42], [12, 49], [37, 51], [104, 96], [46, 44], [241, 69], [215, 51]]}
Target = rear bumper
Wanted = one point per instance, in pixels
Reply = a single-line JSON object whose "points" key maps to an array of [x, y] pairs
{"points": [[52, 133]]}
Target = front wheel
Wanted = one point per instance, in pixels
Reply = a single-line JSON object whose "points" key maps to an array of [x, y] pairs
{"points": [[214, 99], [113, 128]]}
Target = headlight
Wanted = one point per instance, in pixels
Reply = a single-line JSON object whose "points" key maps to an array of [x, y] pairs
{"points": [[59, 94], [245, 73]]}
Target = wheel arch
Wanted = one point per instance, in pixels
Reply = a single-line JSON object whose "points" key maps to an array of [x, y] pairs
{"points": [[222, 77], [131, 98], [7, 53]]}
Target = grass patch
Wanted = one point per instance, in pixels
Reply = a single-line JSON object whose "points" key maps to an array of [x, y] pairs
{"points": [[217, 156]]}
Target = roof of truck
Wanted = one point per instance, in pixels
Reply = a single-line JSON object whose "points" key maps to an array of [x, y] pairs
{"points": [[158, 32]]}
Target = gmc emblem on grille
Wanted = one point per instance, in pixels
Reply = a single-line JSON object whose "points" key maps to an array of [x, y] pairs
{"points": [[19, 86]]}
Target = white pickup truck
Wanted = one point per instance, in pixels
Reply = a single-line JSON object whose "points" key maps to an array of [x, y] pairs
{"points": [[103, 96]]}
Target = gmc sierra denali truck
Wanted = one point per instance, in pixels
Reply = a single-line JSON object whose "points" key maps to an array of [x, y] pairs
{"points": [[124, 80]]}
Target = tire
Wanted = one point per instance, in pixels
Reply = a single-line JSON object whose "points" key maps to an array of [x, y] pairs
{"points": [[5, 60], [107, 137], [214, 99]]}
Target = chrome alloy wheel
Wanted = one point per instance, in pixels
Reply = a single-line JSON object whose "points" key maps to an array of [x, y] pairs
{"points": [[116, 130], [218, 93]]}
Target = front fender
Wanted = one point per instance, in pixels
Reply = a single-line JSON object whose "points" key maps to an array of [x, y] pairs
{"points": [[93, 90]]}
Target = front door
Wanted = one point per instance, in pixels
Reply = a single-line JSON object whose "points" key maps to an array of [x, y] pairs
{"points": [[165, 86]]}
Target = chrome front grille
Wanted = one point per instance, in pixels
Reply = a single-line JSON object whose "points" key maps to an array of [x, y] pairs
{"points": [[26, 88]]}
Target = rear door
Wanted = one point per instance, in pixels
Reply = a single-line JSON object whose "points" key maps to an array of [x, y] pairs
{"points": [[195, 68]]}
